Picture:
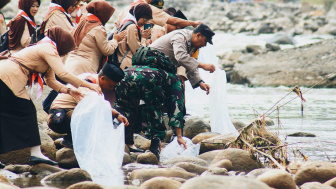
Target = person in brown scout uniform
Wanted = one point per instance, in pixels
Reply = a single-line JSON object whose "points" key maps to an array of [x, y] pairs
{"points": [[159, 16], [179, 45], [64, 104], [18, 119], [23, 25], [139, 15], [92, 43]]}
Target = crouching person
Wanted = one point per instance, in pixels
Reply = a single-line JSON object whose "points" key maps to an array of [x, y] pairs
{"points": [[153, 87], [62, 107]]}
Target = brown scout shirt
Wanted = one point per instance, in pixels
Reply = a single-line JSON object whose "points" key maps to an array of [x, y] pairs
{"points": [[38, 58], [66, 101], [86, 58], [177, 46]]}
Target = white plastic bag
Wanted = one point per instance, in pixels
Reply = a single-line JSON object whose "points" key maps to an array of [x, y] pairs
{"points": [[98, 144], [173, 149], [219, 113]]}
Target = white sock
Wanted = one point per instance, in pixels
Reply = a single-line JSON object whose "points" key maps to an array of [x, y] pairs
{"points": [[36, 151]]}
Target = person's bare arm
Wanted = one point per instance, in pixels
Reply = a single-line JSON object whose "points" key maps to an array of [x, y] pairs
{"points": [[181, 23]]}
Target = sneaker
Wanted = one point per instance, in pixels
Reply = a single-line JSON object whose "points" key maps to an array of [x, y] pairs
{"points": [[155, 147]]}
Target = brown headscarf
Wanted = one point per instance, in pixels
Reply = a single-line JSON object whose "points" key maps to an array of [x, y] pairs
{"points": [[3, 3], [63, 39], [141, 10], [102, 9], [17, 25], [65, 4]]}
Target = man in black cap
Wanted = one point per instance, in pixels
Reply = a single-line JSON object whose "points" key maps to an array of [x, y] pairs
{"points": [[157, 3], [181, 46], [62, 107]]}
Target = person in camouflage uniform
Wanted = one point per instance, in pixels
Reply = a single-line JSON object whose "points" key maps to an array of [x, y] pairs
{"points": [[154, 88]]}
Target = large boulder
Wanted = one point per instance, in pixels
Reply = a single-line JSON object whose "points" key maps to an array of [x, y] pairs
{"points": [[239, 125], [66, 158], [85, 185], [8, 186], [195, 160], [278, 179], [146, 174], [43, 170], [162, 183], [141, 142], [209, 156], [241, 159], [202, 136], [147, 158], [127, 159], [215, 171], [192, 168], [315, 185], [315, 171], [71, 176], [257, 172], [282, 38], [195, 125], [22, 156], [331, 182], [217, 142], [224, 163], [18, 169], [223, 182]]}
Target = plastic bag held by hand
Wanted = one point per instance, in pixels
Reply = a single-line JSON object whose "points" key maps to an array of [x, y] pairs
{"points": [[98, 145], [173, 149]]}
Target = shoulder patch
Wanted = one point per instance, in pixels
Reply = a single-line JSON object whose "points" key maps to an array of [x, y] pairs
{"points": [[104, 31]]}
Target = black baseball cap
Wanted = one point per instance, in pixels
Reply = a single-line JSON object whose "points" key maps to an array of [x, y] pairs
{"points": [[157, 3], [113, 72], [206, 31]]}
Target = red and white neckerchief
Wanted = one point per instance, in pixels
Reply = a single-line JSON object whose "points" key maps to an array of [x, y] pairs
{"points": [[129, 17], [39, 82], [91, 17], [78, 14], [54, 6], [25, 16]]}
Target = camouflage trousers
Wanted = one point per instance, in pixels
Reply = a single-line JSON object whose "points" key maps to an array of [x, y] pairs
{"points": [[154, 89]]}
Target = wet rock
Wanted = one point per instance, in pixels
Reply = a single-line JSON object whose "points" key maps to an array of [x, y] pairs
{"points": [[265, 28], [278, 179], [66, 158], [241, 159], [215, 171], [315, 171], [127, 159], [22, 156], [181, 180], [4, 180], [239, 125], [122, 187], [216, 142], [254, 49], [127, 150], [8, 186], [53, 134], [146, 174], [272, 47], [268, 121], [282, 38], [58, 144], [246, 58], [315, 185], [332, 31], [233, 56], [71, 176], [224, 163], [223, 182], [257, 172], [265, 133], [85, 185], [209, 156], [173, 161], [294, 166], [192, 168], [331, 182], [195, 125], [302, 134], [18, 169], [43, 170], [141, 142], [169, 134], [42, 187], [147, 158], [162, 183], [202, 136]]}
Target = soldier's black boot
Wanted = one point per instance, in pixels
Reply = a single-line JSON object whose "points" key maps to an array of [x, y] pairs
{"points": [[155, 147]]}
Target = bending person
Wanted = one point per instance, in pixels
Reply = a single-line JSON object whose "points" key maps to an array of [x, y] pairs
{"points": [[64, 104], [91, 41], [18, 119], [3, 27]]}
